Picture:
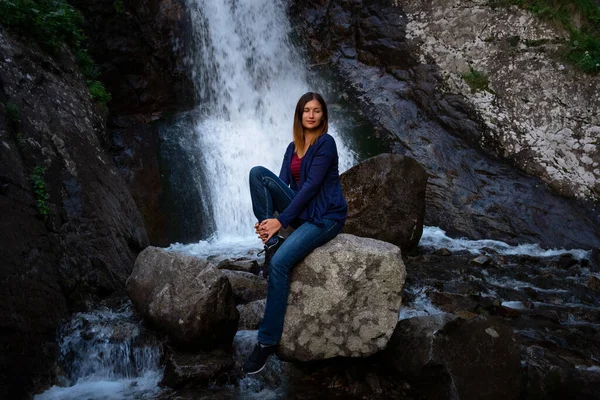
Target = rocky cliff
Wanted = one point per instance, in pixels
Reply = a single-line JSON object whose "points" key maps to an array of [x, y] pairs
{"points": [[380, 50]]}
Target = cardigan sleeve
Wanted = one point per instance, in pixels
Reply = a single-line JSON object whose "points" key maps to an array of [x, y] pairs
{"points": [[315, 177]]}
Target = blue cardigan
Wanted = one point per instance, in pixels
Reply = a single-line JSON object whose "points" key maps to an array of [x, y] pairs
{"points": [[319, 193]]}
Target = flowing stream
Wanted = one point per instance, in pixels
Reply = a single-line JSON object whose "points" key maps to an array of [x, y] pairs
{"points": [[248, 77]]}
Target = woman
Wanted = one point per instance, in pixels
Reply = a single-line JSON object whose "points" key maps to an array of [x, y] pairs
{"points": [[308, 196]]}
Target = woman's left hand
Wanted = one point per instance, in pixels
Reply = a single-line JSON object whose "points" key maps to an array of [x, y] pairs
{"points": [[268, 228]]}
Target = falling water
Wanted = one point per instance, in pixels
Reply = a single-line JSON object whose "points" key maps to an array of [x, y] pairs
{"points": [[248, 78]]}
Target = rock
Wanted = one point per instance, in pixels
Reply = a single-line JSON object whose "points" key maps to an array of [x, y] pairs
{"points": [[595, 260], [449, 358], [251, 314], [242, 264], [196, 369], [81, 246], [386, 199], [186, 297], [566, 261], [481, 261], [593, 282], [451, 302], [551, 377], [344, 300], [470, 192], [444, 252], [246, 286]]}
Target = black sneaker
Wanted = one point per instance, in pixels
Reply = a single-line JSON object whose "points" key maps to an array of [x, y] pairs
{"points": [[270, 248], [258, 359]]}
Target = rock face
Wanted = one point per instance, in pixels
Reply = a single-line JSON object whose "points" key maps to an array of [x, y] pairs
{"points": [[251, 314], [469, 193], [141, 55], [246, 287], [538, 111], [344, 300], [386, 199], [196, 368], [187, 297], [75, 234], [449, 358]]}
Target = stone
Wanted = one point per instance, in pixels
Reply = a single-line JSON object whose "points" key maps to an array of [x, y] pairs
{"points": [[452, 358], [444, 252], [386, 199], [246, 287], [566, 261], [251, 314], [481, 261], [452, 302], [593, 282], [196, 369], [184, 296], [344, 300], [242, 264]]}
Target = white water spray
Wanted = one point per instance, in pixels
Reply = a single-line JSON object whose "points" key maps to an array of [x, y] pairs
{"points": [[249, 78]]}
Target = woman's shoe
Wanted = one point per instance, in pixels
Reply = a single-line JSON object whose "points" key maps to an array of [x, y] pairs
{"points": [[258, 359]]}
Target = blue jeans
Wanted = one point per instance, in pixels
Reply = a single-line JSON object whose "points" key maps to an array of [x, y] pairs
{"points": [[269, 194]]}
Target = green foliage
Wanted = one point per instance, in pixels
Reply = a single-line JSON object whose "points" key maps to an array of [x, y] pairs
{"points": [[13, 113], [476, 80], [40, 191], [99, 92], [52, 23], [581, 18], [119, 6]]}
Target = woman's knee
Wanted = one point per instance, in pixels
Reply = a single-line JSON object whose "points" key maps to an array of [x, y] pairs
{"points": [[257, 172]]}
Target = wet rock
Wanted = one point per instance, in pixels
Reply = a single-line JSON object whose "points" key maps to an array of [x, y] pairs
{"points": [[451, 302], [196, 369], [251, 314], [386, 199], [449, 358], [344, 300], [246, 286], [566, 261], [593, 283], [481, 261], [242, 264], [186, 297], [595, 260], [443, 252], [551, 377]]}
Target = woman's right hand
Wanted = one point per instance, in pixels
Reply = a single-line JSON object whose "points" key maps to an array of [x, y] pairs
{"points": [[256, 226]]}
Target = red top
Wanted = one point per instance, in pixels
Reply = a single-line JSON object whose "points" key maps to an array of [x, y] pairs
{"points": [[295, 167]]}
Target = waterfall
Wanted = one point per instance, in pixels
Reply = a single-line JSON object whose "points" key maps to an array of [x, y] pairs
{"points": [[106, 354], [248, 78]]}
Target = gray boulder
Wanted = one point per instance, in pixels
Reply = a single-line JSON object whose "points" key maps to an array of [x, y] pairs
{"points": [[452, 358], [246, 287], [386, 199], [187, 297], [251, 314], [344, 300]]}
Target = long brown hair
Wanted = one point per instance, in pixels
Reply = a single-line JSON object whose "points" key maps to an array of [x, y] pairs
{"points": [[299, 129]]}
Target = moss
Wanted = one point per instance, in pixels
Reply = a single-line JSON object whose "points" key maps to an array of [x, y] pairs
{"points": [[514, 40], [476, 80], [40, 191], [581, 18]]}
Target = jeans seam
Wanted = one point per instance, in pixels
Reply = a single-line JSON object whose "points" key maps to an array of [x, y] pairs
{"points": [[279, 186]]}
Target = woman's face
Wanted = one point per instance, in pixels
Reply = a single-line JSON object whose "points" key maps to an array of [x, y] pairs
{"points": [[312, 115]]}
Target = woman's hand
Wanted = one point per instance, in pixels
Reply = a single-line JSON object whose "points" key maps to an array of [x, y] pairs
{"points": [[268, 228]]}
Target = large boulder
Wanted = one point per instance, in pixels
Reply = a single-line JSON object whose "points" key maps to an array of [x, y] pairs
{"points": [[386, 199], [344, 300], [246, 287], [452, 358], [187, 297]]}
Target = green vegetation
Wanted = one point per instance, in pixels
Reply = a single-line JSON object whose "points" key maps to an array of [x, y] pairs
{"points": [[119, 6], [476, 80], [13, 113], [581, 18], [41, 193], [53, 23]]}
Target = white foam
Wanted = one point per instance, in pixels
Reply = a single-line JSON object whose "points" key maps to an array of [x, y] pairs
{"points": [[434, 237], [420, 306]]}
